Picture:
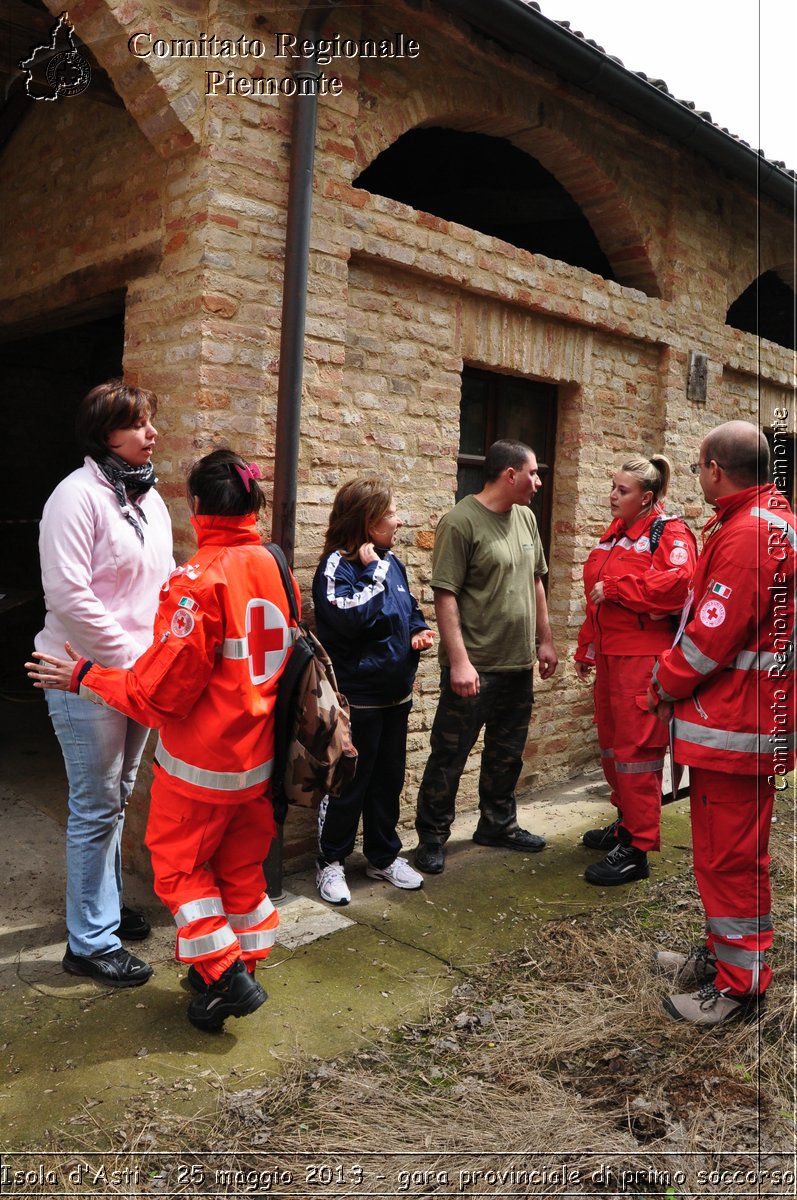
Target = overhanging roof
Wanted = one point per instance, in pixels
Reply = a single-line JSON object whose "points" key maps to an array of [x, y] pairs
{"points": [[522, 29]]}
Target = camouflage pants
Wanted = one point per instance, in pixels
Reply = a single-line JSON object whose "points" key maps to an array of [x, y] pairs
{"points": [[503, 709]]}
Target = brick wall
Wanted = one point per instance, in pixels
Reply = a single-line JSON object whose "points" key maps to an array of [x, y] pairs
{"points": [[182, 199]]}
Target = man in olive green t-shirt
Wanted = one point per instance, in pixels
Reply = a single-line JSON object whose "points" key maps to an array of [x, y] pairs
{"points": [[491, 609]]}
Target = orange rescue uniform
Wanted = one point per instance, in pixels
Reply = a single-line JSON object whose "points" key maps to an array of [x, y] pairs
{"points": [[209, 683]]}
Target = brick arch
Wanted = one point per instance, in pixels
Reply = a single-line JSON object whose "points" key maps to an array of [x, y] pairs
{"points": [[596, 193], [747, 273], [148, 87]]}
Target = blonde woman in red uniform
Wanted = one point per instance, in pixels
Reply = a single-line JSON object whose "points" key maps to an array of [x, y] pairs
{"points": [[636, 578], [209, 682]]}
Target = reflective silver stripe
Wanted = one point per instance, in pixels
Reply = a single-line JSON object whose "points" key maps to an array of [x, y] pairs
{"points": [[238, 648], [235, 648], [375, 588], [748, 660], [606, 753], [201, 947], [209, 906], [696, 658], [221, 781], [735, 956], [654, 680], [776, 522], [248, 920], [726, 739], [740, 926], [262, 939], [639, 768]]}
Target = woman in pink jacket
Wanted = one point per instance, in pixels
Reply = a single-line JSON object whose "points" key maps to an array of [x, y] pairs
{"points": [[636, 581], [105, 545]]}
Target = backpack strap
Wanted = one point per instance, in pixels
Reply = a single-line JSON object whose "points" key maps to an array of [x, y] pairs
{"points": [[279, 556]]}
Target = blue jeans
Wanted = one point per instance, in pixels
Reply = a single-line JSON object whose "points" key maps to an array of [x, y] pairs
{"points": [[102, 749]]}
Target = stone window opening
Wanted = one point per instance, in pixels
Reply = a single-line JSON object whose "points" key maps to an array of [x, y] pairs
{"points": [[487, 184], [766, 309], [494, 406]]}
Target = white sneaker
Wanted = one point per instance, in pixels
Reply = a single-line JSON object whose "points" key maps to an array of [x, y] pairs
{"points": [[399, 873], [331, 883]]}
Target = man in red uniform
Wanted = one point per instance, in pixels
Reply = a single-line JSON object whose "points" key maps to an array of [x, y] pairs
{"points": [[730, 679]]}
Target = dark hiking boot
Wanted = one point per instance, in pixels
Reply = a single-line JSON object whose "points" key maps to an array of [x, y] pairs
{"points": [[235, 994], [623, 864], [601, 839]]}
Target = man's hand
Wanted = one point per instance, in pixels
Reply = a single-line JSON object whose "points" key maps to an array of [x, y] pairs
{"points": [[584, 670], [547, 658], [661, 708], [465, 679]]}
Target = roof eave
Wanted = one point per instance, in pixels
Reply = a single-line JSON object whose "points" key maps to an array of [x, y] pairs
{"points": [[525, 31]]}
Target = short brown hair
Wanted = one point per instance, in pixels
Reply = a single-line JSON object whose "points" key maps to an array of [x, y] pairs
{"points": [[108, 407], [506, 452], [358, 505]]}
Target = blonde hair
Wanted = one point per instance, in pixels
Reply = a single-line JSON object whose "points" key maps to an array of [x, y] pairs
{"points": [[653, 474]]}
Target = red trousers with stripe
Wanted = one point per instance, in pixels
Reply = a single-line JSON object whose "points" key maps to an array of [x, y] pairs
{"points": [[215, 853], [731, 822], [632, 743]]}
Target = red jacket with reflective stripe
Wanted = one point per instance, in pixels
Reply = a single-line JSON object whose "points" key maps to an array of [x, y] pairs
{"points": [[732, 672], [641, 590], [209, 679]]}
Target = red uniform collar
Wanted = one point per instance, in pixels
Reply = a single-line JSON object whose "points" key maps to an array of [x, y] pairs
{"points": [[617, 528], [767, 496], [226, 531]]}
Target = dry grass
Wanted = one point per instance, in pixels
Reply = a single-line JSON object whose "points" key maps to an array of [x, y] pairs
{"points": [[557, 1054]]}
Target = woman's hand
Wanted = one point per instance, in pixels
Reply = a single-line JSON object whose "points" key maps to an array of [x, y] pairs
{"points": [[367, 554], [51, 672], [596, 595], [583, 670], [422, 640]]}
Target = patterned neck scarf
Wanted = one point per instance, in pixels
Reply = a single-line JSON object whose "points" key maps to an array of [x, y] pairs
{"points": [[128, 483]]}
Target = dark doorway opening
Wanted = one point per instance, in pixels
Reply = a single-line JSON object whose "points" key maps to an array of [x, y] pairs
{"points": [[494, 406], [44, 376]]}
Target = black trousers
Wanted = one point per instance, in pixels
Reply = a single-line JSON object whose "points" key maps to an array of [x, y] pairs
{"points": [[380, 735], [503, 709]]}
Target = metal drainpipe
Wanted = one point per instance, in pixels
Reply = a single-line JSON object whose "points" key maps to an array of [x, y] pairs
{"points": [[294, 289], [294, 312]]}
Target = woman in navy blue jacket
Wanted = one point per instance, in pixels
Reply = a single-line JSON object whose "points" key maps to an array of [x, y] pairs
{"points": [[374, 631]]}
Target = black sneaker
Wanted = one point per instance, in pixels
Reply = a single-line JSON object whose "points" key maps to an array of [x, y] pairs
{"points": [[133, 926], [601, 839], [116, 968], [623, 864], [235, 994], [513, 839], [430, 857]]}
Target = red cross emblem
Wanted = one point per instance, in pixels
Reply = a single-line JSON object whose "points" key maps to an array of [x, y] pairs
{"points": [[266, 639], [712, 613]]}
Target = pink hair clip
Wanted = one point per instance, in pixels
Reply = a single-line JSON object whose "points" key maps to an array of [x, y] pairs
{"points": [[252, 471]]}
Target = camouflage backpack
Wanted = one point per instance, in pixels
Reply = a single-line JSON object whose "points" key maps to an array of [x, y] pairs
{"points": [[313, 752]]}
